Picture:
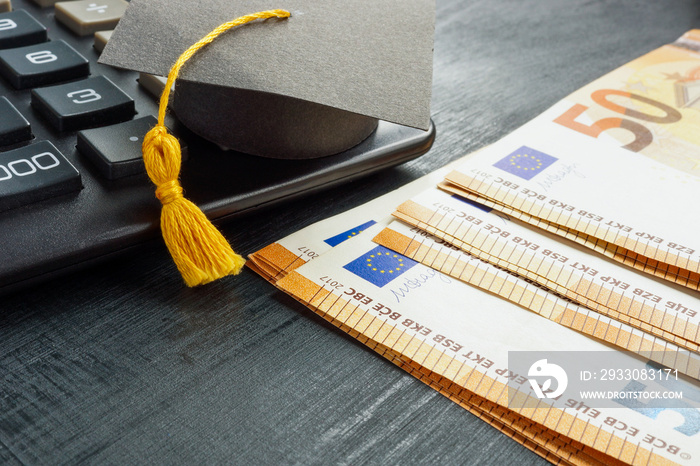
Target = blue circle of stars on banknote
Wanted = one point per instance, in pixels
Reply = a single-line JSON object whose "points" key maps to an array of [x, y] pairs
{"points": [[525, 162], [380, 265], [377, 262]]}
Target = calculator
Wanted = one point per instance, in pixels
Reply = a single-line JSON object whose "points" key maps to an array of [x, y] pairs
{"points": [[73, 187]]}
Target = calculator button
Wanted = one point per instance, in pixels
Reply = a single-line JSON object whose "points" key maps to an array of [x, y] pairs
{"points": [[33, 173], [101, 39], [116, 150], [13, 126], [19, 28], [82, 104], [5, 6], [154, 85], [42, 64], [84, 17]]}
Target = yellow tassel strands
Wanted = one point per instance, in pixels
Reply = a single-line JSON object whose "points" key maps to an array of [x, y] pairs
{"points": [[199, 250]]}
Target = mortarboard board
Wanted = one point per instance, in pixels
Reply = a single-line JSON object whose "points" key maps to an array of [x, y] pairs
{"points": [[310, 85]]}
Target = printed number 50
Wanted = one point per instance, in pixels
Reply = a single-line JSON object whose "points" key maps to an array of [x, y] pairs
{"points": [[642, 136]]}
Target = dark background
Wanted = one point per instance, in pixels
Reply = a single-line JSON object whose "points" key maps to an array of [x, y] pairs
{"points": [[122, 363]]}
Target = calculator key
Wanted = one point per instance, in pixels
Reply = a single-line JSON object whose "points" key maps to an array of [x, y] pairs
{"points": [[116, 150], [85, 17], [83, 104], [42, 64], [19, 28], [13, 126], [5, 6], [153, 84], [34, 173], [101, 39]]}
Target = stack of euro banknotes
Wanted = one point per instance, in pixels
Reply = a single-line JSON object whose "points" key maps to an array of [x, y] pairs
{"points": [[577, 232]]}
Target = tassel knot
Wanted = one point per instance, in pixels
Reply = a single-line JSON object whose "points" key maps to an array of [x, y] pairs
{"points": [[168, 192]]}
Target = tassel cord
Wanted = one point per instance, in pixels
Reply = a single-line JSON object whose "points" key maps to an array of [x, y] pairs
{"points": [[199, 250]]}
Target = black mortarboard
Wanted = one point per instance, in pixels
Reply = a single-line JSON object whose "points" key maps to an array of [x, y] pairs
{"points": [[306, 86]]}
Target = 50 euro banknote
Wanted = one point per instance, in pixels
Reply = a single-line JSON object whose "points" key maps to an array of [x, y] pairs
{"points": [[614, 165], [461, 338], [442, 256], [276, 261], [661, 309]]}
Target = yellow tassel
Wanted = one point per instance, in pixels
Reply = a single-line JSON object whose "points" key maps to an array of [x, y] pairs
{"points": [[199, 250]]}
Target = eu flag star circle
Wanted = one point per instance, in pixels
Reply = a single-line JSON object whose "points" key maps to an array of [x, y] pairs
{"points": [[380, 265], [525, 162]]}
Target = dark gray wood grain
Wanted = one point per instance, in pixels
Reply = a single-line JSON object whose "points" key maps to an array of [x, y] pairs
{"points": [[122, 364]]}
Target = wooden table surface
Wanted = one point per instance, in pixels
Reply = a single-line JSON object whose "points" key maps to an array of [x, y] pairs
{"points": [[122, 364]]}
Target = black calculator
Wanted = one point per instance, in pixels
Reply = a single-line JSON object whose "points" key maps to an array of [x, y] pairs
{"points": [[73, 188]]}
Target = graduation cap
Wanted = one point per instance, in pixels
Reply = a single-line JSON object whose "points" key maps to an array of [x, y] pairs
{"points": [[309, 85]]}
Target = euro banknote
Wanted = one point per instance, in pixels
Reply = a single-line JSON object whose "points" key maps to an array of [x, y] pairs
{"points": [[276, 261], [661, 309], [442, 256], [613, 162], [461, 337]]}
